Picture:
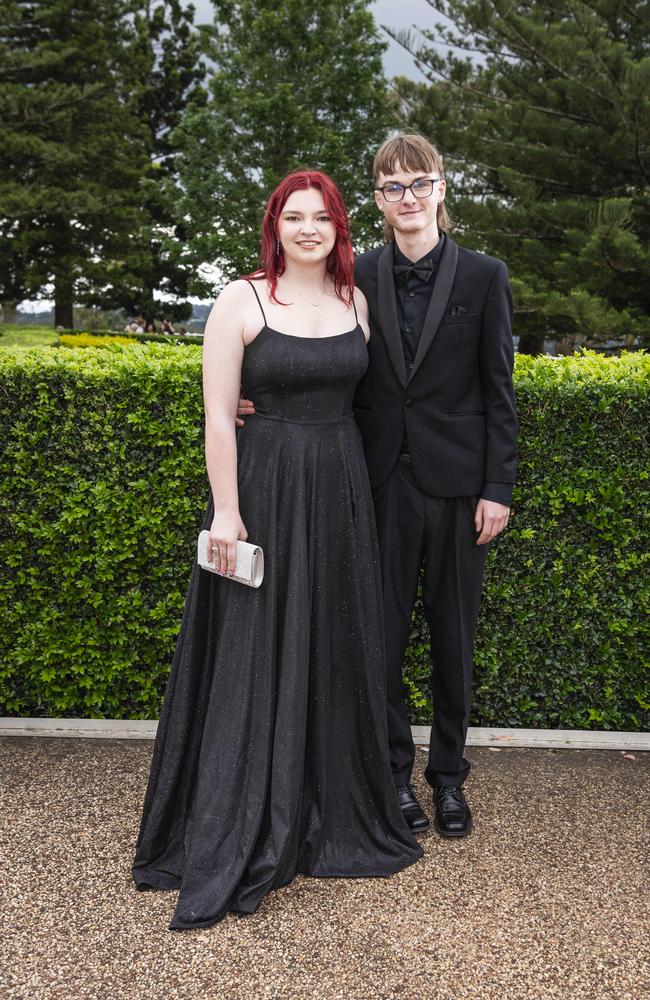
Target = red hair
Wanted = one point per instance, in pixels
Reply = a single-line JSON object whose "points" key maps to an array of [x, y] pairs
{"points": [[340, 262]]}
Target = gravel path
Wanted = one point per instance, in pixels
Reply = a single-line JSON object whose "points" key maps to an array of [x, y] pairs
{"points": [[547, 899]]}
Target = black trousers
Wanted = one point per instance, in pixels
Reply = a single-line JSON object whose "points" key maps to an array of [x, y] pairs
{"points": [[416, 529]]}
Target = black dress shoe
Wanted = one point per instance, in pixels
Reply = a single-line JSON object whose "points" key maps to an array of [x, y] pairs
{"points": [[453, 815], [411, 810]]}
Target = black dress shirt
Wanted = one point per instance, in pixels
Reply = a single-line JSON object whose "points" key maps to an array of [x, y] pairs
{"points": [[413, 297]]}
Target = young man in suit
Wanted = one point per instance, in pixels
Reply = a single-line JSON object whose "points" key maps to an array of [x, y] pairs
{"points": [[437, 414]]}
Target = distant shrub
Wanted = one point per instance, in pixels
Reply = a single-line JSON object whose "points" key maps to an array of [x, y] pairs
{"points": [[16, 335], [153, 338], [24, 328], [93, 340]]}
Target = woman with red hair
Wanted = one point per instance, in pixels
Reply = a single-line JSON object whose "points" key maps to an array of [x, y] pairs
{"points": [[272, 752]]}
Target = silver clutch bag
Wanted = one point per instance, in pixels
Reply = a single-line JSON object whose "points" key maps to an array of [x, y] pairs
{"points": [[249, 564]]}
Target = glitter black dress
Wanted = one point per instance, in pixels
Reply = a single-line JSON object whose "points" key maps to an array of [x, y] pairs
{"points": [[272, 752]]}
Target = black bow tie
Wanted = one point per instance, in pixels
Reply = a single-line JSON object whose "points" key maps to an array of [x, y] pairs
{"points": [[403, 272]]}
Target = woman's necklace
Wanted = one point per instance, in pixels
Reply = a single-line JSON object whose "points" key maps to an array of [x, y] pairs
{"points": [[316, 305]]}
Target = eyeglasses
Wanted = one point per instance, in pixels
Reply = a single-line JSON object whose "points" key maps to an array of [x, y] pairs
{"points": [[421, 188]]}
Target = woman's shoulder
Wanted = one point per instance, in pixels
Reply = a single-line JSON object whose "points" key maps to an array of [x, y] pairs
{"points": [[238, 294], [236, 289], [235, 306]]}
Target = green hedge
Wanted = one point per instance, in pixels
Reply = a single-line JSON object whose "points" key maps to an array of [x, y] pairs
{"points": [[103, 489], [144, 338]]}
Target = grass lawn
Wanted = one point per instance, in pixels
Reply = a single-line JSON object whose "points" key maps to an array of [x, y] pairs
{"points": [[27, 336]]}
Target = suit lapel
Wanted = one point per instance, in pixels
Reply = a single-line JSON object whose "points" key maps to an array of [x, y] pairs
{"points": [[387, 312], [439, 297]]}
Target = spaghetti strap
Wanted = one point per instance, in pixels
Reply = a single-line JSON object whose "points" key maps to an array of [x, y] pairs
{"points": [[259, 301], [354, 306]]}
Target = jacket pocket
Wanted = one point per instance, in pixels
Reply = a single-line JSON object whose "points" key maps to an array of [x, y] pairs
{"points": [[465, 413], [462, 319]]}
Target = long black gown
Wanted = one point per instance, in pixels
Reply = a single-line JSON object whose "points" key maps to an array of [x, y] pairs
{"points": [[272, 753]]}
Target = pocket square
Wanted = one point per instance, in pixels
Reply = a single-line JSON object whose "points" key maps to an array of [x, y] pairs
{"points": [[457, 311]]}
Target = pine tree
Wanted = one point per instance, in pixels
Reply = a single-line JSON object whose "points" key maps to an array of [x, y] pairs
{"points": [[73, 148], [14, 267], [543, 110], [16, 278], [166, 77], [91, 93], [298, 84]]}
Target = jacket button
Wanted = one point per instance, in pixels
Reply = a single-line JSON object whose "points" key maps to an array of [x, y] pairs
{"points": [[409, 402]]}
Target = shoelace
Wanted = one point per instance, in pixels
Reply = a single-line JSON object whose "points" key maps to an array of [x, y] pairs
{"points": [[409, 788], [452, 790]]}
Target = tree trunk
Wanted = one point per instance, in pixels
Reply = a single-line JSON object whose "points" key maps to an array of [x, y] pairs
{"points": [[9, 310], [531, 343], [566, 346], [63, 296]]}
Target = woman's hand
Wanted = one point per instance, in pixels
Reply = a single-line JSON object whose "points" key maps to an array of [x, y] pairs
{"points": [[225, 531]]}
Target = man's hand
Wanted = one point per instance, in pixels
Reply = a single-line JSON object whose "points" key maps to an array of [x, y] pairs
{"points": [[244, 409], [490, 519]]}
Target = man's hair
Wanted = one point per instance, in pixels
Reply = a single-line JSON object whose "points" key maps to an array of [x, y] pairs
{"points": [[412, 153]]}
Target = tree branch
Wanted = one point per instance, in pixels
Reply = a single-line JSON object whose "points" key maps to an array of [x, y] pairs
{"points": [[535, 51], [532, 49], [429, 35], [565, 115], [595, 53], [637, 145], [462, 24], [529, 177]]}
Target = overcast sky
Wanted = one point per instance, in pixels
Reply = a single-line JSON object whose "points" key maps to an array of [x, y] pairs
{"points": [[397, 62]]}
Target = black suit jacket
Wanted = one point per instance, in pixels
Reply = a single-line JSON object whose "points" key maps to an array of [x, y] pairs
{"points": [[457, 399]]}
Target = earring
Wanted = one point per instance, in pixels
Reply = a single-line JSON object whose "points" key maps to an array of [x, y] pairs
{"points": [[277, 248]]}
